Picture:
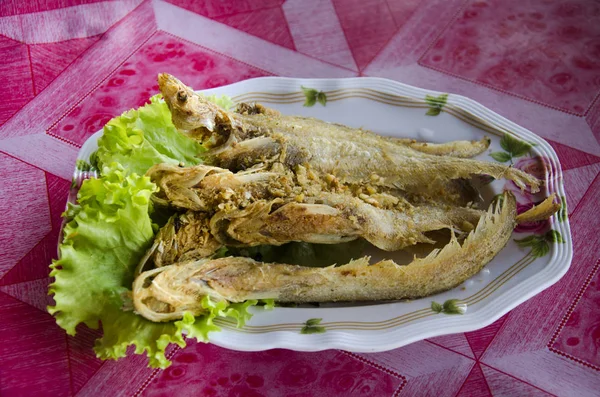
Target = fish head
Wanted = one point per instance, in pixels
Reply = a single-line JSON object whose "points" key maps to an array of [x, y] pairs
{"points": [[189, 110]]}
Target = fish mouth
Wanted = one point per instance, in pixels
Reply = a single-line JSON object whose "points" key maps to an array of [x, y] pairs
{"points": [[194, 115], [175, 94], [169, 85]]}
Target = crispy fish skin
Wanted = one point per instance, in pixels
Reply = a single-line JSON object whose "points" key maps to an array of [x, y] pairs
{"points": [[542, 211], [460, 149], [165, 294], [328, 149], [335, 220], [352, 155], [184, 237], [206, 188], [195, 235], [191, 236]]}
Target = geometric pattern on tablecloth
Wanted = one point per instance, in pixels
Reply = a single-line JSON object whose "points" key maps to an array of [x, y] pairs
{"points": [[317, 32], [593, 119], [262, 19], [549, 54], [578, 335], [136, 80], [577, 183], [369, 25], [24, 205], [48, 60], [17, 90], [523, 352], [34, 265], [276, 372], [17, 7], [32, 346], [572, 158], [399, 61]]}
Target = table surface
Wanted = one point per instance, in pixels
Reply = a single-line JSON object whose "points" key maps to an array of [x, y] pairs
{"points": [[71, 65]]}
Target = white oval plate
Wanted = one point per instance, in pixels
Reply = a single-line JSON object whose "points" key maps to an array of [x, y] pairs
{"points": [[391, 108]]}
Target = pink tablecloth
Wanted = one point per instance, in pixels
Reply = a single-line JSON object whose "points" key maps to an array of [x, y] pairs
{"points": [[68, 66]]}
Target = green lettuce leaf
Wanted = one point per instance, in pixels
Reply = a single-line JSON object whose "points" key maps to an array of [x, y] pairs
{"points": [[106, 235], [199, 327], [224, 101], [108, 229], [124, 328], [142, 137]]}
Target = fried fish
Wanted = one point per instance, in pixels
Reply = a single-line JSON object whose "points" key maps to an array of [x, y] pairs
{"points": [[241, 140], [271, 179], [164, 294]]}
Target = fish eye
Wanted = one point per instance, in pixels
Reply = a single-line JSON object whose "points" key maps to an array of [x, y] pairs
{"points": [[182, 96]]}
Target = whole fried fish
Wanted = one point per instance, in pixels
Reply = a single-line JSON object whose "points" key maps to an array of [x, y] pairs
{"points": [[335, 220], [252, 208], [241, 140], [208, 189]]}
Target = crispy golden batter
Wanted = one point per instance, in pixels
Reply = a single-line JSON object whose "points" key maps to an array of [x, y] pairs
{"points": [[194, 235], [184, 237], [266, 207], [336, 219], [461, 149], [351, 155], [207, 188]]}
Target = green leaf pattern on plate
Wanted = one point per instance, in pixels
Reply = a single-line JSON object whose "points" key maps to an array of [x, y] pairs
{"points": [[322, 98], [313, 96], [513, 148], [562, 212], [540, 243], [554, 236], [436, 307], [436, 104], [311, 326], [502, 157], [451, 306]]}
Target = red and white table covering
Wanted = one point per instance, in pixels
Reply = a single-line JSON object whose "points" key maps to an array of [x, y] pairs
{"points": [[68, 66]]}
